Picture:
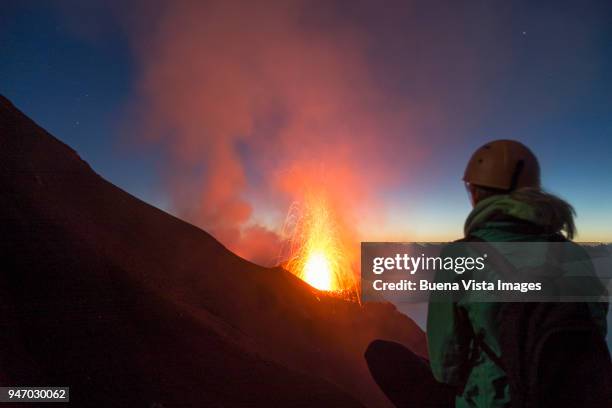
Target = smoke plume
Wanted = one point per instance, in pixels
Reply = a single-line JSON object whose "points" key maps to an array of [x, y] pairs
{"points": [[261, 104]]}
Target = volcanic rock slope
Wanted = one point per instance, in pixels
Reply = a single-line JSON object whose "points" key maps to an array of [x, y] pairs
{"points": [[132, 307]]}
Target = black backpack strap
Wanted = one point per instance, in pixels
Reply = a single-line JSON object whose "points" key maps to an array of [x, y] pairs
{"points": [[507, 270], [473, 355], [480, 343]]}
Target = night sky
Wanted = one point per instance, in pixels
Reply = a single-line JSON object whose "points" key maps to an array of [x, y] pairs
{"points": [[539, 72]]}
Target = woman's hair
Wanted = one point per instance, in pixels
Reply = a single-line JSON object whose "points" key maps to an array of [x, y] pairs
{"points": [[554, 212]]}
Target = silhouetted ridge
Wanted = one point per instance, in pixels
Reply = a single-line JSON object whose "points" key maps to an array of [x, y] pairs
{"points": [[130, 306]]}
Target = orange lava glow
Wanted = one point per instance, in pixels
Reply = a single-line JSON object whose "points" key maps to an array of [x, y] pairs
{"points": [[317, 271], [317, 253]]}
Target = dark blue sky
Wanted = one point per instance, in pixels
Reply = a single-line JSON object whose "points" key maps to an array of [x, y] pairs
{"points": [[76, 85], [540, 72]]}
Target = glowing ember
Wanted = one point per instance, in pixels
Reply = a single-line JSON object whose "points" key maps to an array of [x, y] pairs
{"points": [[316, 252]]}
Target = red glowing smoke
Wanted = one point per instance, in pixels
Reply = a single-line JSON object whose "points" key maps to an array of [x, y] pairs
{"points": [[270, 101]]}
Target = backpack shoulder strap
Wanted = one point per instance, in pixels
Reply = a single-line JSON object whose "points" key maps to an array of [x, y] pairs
{"points": [[507, 270], [482, 345]]}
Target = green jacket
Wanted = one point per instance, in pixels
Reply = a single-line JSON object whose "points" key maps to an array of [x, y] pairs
{"points": [[496, 219]]}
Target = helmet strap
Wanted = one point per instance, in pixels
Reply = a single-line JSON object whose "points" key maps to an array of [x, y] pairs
{"points": [[518, 169]]}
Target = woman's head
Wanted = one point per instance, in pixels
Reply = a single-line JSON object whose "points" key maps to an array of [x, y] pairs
{"points": [[500, 167]]}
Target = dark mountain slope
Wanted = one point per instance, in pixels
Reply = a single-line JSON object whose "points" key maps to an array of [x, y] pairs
{"points": [[130, 306]]}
